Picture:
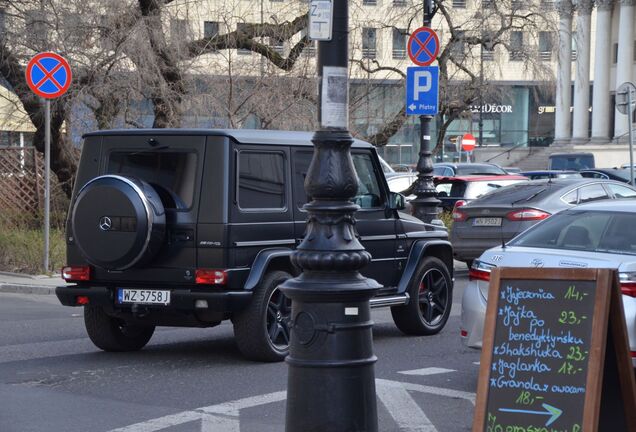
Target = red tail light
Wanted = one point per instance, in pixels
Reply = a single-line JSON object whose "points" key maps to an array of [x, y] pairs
{"points": [[628, 288], [82, 300], [474, 274], [527, 215], [76, 273], [458, 215], [211, 277], [460, 203]]}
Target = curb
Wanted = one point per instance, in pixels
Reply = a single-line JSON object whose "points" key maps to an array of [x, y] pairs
{"points": [[26, 289]]}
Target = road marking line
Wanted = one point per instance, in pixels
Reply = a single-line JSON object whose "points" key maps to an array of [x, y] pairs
{"points": [[439, 391], [427, 371], [159, 423], [232, 408], [404, 410], [211, 423], [224, 417]]}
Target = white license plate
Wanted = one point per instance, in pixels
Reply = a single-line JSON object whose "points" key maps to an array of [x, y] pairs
{"points": [[143, 296], [487, 221]]}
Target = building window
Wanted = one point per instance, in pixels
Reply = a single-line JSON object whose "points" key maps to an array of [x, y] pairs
{"points": [[487, 4], [516, 46], [545, 46], [178, 30], [210, 29], [242, 28], [36, 23], [277, 45], [458, 49], [487, 47], [399, 2], [369, 42], [459, 4], [516, 5], [615, 56], [369, 2], [399, 44], [309, 50], [547, 4]]}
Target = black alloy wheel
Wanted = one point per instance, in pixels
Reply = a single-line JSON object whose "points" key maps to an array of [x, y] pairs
{"points": [[431, 294], [262, 329], [277, 319]]}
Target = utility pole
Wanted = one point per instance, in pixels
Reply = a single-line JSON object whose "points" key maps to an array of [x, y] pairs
{"points": [[426, 203], [331, 381]]}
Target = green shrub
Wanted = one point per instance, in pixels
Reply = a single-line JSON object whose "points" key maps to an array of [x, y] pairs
{"points": [[446, 217], [22, 249]]}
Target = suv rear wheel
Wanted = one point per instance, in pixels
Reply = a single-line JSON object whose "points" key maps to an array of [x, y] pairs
{"points": [[431, 298], [112, 334], [262, 329]]}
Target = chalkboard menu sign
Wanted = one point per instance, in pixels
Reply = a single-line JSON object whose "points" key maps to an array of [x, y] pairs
{"points": [[544, 351]]}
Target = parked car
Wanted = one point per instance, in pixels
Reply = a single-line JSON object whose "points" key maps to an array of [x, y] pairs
{"points": [[452, 191], [591, 235], [502, 214], [571, 161], [544, 174], [399, 181], [618, 174], [512, 170], [193, 227], [446, 169]]}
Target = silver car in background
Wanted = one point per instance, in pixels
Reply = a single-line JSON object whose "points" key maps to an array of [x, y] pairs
{"points": [[595, 235]]}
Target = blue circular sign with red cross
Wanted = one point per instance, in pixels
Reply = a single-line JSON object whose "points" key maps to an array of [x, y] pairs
{"points": [[48, 75], [423, 46]]}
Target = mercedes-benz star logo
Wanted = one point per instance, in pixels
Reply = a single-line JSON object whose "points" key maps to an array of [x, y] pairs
{"points": [[105, 223]]}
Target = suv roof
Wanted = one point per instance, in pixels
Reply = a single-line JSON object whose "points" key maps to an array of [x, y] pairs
{"points": [[242, 136], [474, 178]]}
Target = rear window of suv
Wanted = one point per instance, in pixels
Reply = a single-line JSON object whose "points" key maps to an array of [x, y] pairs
{"points": [[172, 174]]}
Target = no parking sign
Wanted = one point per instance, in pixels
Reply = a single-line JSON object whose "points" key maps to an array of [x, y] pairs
{"points": [[48, 75]]}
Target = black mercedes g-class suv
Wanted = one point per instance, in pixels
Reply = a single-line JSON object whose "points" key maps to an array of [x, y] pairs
{"points": [[193, 227]]}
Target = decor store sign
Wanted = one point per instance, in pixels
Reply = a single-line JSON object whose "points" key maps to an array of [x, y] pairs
{"points": [[491, 108]]}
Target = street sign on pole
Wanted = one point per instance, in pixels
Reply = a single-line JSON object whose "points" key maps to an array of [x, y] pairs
{"points": [[422, 90], [423, 46], [625, 104], [49, 76], [320, 20]]}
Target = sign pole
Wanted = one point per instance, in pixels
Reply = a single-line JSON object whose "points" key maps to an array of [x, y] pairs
{"points": [[631, 137], [49, 76], [47, 180]]}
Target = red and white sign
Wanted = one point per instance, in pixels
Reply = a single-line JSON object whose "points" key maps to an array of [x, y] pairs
{"points": [[468, 142]]}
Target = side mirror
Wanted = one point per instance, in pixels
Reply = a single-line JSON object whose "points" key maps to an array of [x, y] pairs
{"points": [[396, 201]]}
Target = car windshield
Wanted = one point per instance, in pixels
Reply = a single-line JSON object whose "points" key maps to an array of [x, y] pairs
{"points": [[477, 189], [515, 193], [593, 231], [479, 169]]}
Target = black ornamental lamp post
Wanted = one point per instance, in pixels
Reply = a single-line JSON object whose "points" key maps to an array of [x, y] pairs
{"points": [[425, 204], [331, 381]]}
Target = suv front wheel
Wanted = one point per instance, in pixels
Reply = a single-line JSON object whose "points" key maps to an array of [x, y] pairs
{"points": [[112, 334], [262, 329]]}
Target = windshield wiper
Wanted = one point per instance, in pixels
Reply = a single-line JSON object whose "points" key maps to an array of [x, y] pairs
{"points": [[530, 197]]}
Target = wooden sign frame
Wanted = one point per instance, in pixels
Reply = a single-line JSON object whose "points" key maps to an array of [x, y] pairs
{"points": [[608, 317]]}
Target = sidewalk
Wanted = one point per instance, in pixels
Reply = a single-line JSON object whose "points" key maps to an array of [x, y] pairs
{"points": [[27, 284], [42, 284]]}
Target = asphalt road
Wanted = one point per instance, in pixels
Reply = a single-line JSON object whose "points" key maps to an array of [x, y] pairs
{"points": [[53, 379]]}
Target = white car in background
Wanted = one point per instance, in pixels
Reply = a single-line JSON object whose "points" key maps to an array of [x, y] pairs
{"points": [[601, 234]]}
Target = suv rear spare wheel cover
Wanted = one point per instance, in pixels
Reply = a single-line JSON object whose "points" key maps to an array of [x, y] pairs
{"points": [[118, 222]]}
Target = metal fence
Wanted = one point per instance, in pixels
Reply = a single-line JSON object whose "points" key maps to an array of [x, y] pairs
{"points": [[22, 188]]}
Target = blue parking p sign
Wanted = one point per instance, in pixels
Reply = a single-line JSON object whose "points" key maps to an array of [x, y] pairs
{"points": [[422, 90]]}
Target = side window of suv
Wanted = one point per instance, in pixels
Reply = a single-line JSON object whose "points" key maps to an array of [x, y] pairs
{"points": [[369, 195], [261, 180]]}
